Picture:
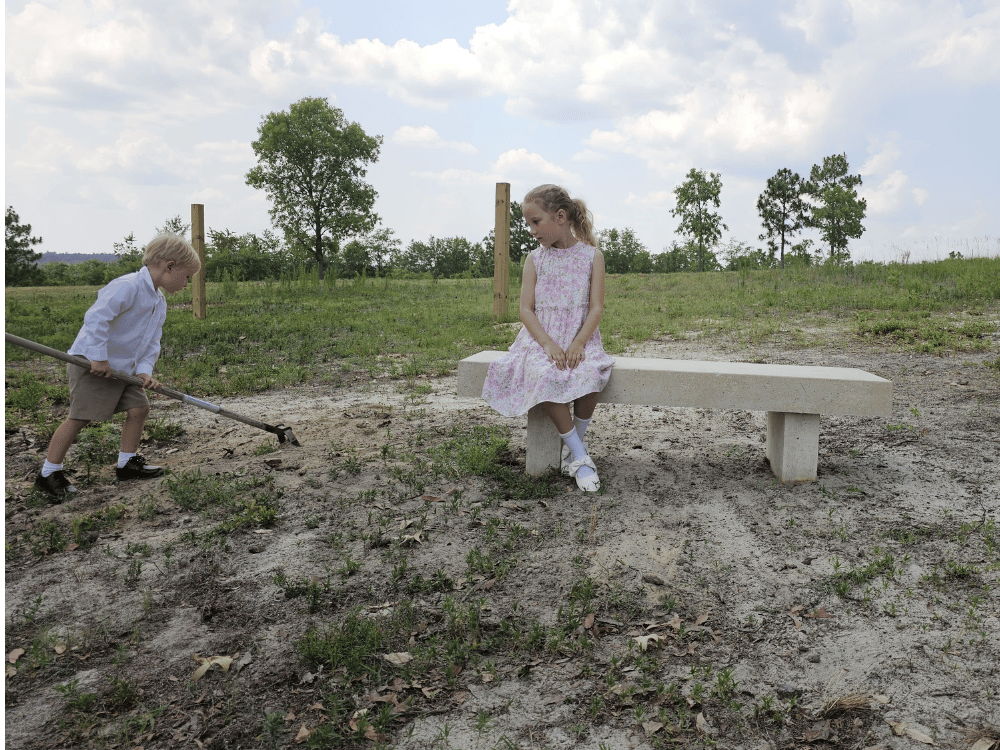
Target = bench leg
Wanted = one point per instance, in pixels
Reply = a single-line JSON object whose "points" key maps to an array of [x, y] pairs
{"points": [[544, 445], [793, 446]]}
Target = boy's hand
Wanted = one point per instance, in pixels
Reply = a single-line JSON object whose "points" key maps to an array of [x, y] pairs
{"points": [[103, 369], [147, 381]]}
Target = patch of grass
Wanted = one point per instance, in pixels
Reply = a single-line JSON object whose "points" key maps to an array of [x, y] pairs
{"points": [[922, 332], [353, 644], [163, 430]]}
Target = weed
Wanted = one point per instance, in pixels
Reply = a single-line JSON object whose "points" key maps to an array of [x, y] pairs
{"points": [[350, 645]]}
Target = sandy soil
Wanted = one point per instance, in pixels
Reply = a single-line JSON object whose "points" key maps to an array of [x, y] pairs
{"points": [[692, 526]]}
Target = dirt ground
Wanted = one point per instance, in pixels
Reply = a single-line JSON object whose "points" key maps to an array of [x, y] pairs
{"points": [[692, 535]]}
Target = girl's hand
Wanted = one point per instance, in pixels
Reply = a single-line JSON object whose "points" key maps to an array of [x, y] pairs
{"points": [[574, 355], [556, 355]]}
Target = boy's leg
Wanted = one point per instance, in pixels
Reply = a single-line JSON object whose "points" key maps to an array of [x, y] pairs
{"points": [[130, 464], [135, 420], [63, 438]]}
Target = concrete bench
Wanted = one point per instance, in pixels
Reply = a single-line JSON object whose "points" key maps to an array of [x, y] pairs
{"points": [[792, 395]]}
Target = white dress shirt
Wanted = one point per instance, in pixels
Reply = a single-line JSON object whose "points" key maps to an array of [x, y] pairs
{"points": [[124, 326]]}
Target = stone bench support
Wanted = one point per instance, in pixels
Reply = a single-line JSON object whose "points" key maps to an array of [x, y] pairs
{"points": [[792, 395]]}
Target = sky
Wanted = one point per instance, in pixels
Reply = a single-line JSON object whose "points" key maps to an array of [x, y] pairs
{"points": [[120, 114]]}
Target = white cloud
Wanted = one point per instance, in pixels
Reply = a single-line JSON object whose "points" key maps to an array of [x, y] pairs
{"points": [[920, 196], [427, 137], [887, 197]]}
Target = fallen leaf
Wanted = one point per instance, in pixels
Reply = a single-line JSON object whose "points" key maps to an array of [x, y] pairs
{"points": [[244, 661], [645, 640], [675, 623], [11, 670], [902, 728], [290, 716], [71, 546], [701, 723], [208, 662], [460, 697], [432, 499], [409, 539], [882, 699], [651, 727], [14, 655], [819, 613], [59, 648], [303, 735], [985, 743], [588, 621], [487, 677], [701, 619], [399, 658], [316, 707], [796, 621]]}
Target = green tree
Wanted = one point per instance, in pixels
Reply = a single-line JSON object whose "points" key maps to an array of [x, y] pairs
{"points": [[782, 210], [248, 256], [623, 252], [20, 261], [695, 198], [311, 164], [174, 225], [837, 210]]}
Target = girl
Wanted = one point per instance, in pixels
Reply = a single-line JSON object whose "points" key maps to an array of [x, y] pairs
{"points": [[558, 356]]}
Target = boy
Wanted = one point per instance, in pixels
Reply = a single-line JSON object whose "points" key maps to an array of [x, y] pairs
{"points": [[121, 331]]}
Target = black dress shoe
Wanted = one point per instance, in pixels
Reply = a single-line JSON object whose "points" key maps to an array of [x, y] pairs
{"points": [[136, 468], [55, 485]]}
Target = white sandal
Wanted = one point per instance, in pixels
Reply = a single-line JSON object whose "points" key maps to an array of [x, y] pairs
{"points": [[589, 483], [567, 459]]}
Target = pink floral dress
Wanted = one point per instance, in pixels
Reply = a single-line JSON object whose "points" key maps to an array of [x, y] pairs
{"points": [[524, 376]]}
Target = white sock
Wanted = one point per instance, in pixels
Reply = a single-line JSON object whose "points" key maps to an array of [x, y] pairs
{"points": [[576, 449], [581, 426], [48, 468], [123, 459]]}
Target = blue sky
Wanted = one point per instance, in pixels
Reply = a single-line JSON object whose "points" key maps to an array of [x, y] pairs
{"points": [[121, 113]]}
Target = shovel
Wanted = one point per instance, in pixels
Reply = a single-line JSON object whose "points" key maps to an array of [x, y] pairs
{"points": [[283, 433]]}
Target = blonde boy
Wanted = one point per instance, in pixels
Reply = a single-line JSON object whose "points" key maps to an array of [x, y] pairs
{"points": [[121, 331]]}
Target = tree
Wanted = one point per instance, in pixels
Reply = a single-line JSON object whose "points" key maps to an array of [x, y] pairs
{"points": [[623, 252], [20, 261], [521, 241], [174, 226], [782, 210], [694, 197], [311, 164], [837, 211]]}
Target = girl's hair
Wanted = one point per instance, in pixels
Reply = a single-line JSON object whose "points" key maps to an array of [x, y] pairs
{"points": [[166, 246], [551, 198]]}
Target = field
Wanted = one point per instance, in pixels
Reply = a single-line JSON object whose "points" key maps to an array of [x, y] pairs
{"points": [[397, 581]]}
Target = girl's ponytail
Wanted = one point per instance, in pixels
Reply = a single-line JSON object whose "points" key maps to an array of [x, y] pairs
{"points": [[551, 198]]}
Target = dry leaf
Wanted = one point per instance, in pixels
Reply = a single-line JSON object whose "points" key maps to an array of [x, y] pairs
{"points": [[651, 727], [901, 728], [244, 660], [409, 539], [59, 648], [208, 662], [675, 622], [71, 546], [985, 743], [701, 619], [432, 499], [588, 621], [819, 613], [303, 735], [316, 707], [644, 640], [487, 677], [701, 723], [11, 670], [796, 621], [290, 716], [14, 655], [399, 658]]}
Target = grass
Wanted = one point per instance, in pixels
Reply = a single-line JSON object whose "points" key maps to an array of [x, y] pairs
{"points": [[268, 335]]}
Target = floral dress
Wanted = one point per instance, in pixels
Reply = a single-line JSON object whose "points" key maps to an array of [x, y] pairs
{"points": [[524, 376]]}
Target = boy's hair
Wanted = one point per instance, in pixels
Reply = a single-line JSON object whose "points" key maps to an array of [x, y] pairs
{"points": [[167, 246], [551, 198]]}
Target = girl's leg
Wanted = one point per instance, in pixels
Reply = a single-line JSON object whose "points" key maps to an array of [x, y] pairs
{"points": [[560, 416], [584, 406]]}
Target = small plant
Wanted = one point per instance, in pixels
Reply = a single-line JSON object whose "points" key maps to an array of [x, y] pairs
{"points": [[268, 446], [74, 698]]}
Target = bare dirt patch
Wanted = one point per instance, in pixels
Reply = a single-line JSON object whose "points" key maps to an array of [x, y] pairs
{"points": [[693, 601]]}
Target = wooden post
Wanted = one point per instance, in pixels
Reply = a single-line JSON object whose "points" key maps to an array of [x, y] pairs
{"points": [[501, 254], [198, 298]]}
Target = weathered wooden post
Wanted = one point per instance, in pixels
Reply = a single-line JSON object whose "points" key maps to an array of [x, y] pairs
{"points": [[198, 299], [501, 253]]}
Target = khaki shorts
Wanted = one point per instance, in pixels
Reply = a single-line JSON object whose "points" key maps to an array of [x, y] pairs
{"points": [[95, 399]]}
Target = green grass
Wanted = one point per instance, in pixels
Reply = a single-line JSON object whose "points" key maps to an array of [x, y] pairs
{"points": [[266, 335]]}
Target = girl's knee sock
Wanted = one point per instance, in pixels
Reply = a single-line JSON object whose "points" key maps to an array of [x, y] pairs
{"points": [[576, 449], [581, 426]]}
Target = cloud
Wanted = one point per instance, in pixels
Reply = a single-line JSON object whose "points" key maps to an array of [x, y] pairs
{"points": [[427, 137], [887, 197]]}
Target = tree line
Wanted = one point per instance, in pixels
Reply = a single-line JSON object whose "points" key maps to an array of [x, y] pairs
{"points": [[312, 163]]}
